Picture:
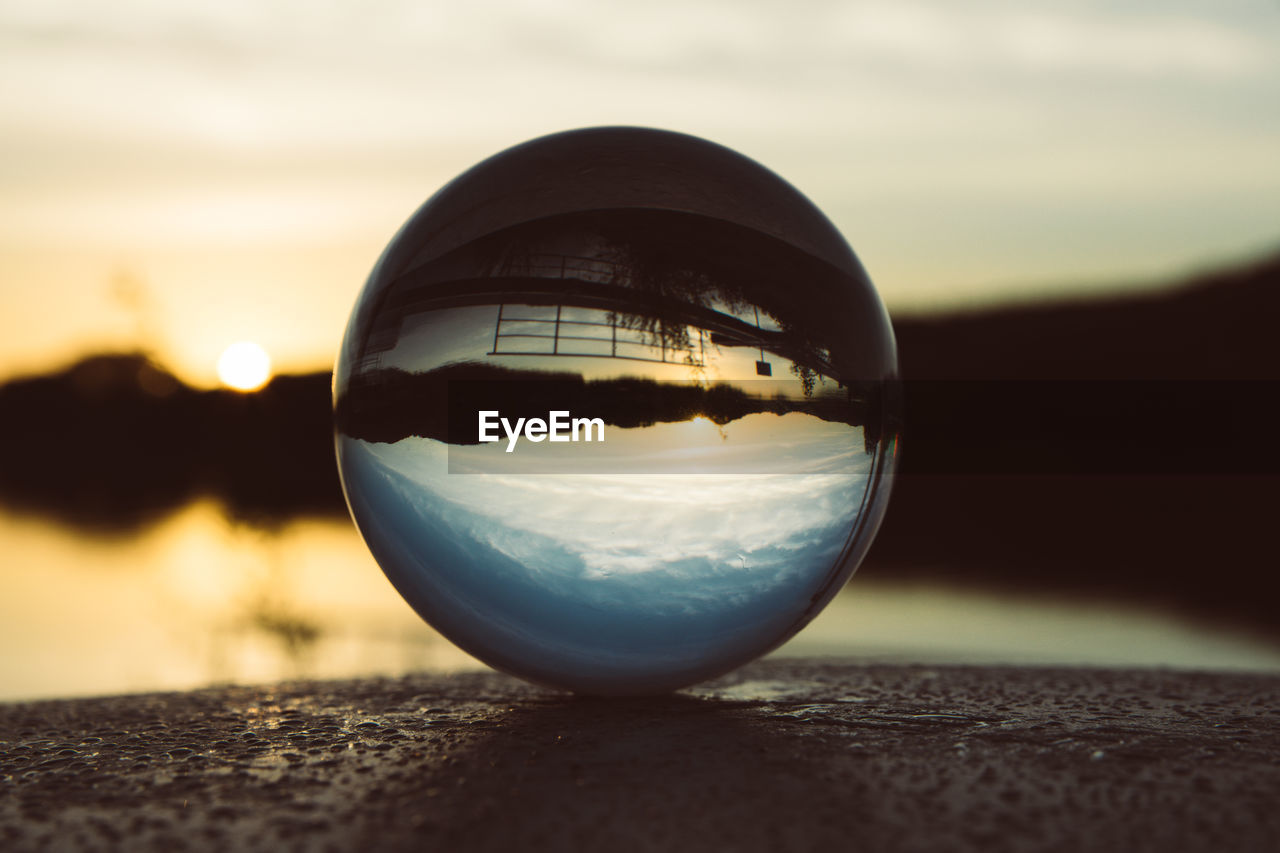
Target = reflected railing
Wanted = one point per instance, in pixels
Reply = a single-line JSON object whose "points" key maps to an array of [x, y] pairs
{"points": [[590, 333]]}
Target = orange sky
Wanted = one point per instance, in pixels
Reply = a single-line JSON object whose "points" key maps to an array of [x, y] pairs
{"points": [[190, 175]]}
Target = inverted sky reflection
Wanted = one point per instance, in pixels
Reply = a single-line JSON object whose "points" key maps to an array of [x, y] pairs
{"points": [[610, 576]]}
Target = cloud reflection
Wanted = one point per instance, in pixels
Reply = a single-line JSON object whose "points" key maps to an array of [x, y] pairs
{"points": [[612, 577]]}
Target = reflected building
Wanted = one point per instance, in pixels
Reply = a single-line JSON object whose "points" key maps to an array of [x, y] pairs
{"points": [[710, 317]]}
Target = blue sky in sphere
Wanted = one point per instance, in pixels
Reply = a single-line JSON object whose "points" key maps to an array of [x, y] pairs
{"points": [[601, 574]]}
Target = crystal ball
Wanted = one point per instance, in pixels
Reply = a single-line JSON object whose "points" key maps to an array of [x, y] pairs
{"points": [[615, 411]]}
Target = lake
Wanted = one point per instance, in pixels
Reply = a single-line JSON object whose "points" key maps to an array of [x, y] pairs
{"points": [[196, 600]]}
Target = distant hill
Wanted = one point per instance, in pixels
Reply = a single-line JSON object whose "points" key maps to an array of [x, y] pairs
{"points": [[1119, 446], [1216, 326], [115, 442]]}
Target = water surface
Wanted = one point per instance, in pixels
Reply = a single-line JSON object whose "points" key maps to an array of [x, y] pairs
{"points": [[197, 601]]}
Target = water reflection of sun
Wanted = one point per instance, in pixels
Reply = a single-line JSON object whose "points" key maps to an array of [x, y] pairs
{"points": [[244, 366], [701, 431]]}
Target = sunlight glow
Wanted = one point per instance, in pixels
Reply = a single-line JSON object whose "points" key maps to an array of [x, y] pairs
{"points": [[244, 366]]}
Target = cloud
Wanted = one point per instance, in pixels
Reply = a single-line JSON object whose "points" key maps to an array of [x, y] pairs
{"points": [[616, 580], [1149, 46], [971, 149], [610, 527]]}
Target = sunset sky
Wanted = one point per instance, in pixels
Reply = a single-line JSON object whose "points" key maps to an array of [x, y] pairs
{"points": [[185, 176]]}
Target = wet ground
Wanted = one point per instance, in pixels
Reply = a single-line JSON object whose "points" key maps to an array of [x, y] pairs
{"points": [[782, 755]]}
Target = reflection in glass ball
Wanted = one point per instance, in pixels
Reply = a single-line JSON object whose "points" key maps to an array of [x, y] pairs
{"points": [[614, 410]]}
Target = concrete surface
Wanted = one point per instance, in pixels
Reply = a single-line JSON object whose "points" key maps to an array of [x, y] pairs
{"points": [[782, 755]]}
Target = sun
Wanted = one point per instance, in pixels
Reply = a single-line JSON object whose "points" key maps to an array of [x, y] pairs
{"points": [[244, 366]]}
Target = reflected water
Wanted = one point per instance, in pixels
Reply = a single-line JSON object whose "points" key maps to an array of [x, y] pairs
{"points": [[197, 601]]}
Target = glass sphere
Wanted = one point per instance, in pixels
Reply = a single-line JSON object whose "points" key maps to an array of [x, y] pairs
{"points": [[614, 411]]}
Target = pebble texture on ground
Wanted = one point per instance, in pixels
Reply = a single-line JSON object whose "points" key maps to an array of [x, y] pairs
{"points": [[782, 755]]}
